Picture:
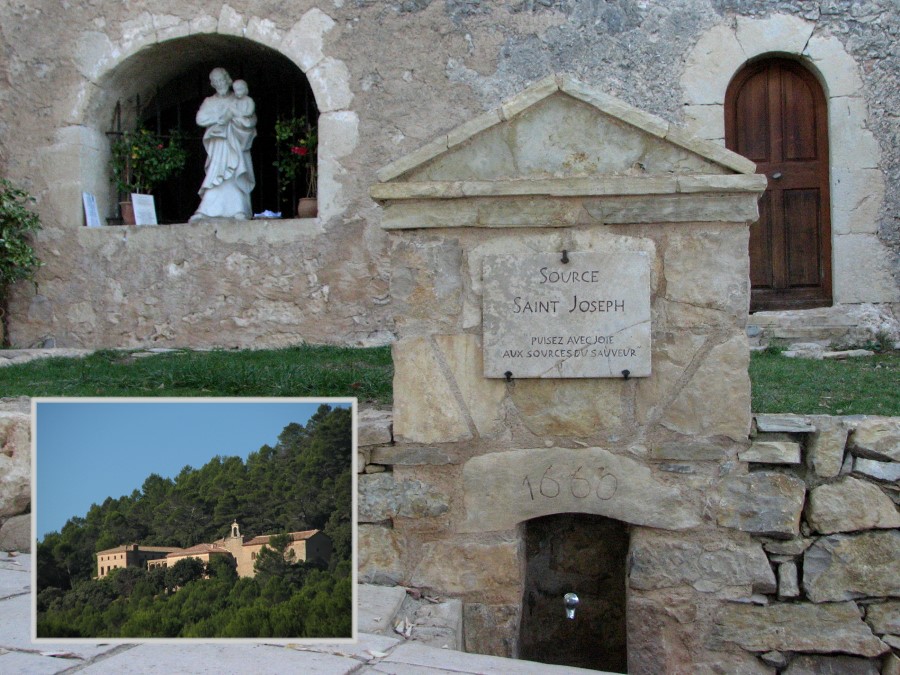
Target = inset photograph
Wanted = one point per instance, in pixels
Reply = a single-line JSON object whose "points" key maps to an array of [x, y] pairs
{"points": [[169, 519]]}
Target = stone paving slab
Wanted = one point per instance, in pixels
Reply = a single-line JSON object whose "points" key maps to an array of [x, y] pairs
{"points": [[15, 575], [412, 657], [198, 659], [33, 664], [376, 606]]}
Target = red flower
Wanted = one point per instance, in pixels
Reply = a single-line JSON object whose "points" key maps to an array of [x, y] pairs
{"points": [[299, 150], [159, 147]]}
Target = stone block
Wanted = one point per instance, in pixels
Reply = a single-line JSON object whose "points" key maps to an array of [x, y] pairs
{"points": [[825, 446], [884, 617], [791, 547], [709, 270], [709, 404], [787, 580], [481, 399], [580, 408], [491, 629], [380, 551], [839, 69], [374, 427], [489, 569], [876, 438], [409, 456], [890, 665], [714, 59], [707, 561], [502, 489], [427, 286], [857, 195], [809, 664], [15, 463], [381, 497], [330, 82], [763, 502], [784, 423], [886, 471], [439, 624], [800, 627], [771, 452], [338, 133], [230, 22], [778, 33], [426, 409], [303, 42], [706, 121], [844, 567], [377, 606], [850, 504], [872, 282], [15, 534]]}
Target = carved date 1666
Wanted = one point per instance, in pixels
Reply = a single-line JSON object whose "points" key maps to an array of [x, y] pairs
{"points": [[603, 485]]}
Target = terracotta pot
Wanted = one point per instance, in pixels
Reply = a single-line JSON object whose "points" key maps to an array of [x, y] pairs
{"points": [[308, 207], [127, 210]]}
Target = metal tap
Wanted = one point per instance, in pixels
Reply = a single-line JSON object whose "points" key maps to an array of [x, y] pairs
{"points": [[570, 600]]}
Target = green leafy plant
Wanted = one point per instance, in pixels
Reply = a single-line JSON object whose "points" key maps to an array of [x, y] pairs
{"points": [[296, 142], [141, 160], [18, 259]]}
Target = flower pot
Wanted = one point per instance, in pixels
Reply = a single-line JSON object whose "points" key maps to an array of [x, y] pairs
{"points": [[127, 211], [308, 207]]}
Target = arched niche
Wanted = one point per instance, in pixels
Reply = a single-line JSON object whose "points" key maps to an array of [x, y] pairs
{"points": [[161, 87]]}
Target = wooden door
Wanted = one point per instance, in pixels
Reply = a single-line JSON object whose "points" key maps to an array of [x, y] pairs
{"points": [[776, 115]]}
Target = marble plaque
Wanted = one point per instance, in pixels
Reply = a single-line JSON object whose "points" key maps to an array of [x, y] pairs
{"points": [[588, 317]]}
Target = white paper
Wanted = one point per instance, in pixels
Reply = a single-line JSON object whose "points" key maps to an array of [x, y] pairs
{"points": [[91, 215], [144, 209]]}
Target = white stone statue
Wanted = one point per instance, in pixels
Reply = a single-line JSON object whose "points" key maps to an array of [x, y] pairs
{"points": [[230, 121]]}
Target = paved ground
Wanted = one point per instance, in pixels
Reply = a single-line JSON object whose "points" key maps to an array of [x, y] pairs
{"points": [[371, 654]]}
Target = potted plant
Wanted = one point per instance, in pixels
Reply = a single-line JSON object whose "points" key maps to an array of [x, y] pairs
{"points": [[141, 160], [296, 142], [18, 260]]}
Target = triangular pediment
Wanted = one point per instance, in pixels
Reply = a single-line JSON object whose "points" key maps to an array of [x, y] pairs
{"points": [[560, 128]]}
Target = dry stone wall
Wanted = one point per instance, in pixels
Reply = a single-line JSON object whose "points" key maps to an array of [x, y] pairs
{"points": [[805, 577]]}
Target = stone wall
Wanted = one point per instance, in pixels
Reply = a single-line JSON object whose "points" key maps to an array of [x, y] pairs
{"points": [[802, 575], [388, 77]]}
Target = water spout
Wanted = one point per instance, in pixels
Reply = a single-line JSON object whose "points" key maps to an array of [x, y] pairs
{"points": [[570, 600]]}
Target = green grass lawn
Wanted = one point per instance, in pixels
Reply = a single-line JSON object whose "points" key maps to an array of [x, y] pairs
{"points": [[296, 371], [856, 386], [859, 386]]}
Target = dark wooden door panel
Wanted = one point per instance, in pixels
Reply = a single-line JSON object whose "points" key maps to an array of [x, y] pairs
{"points": [[801, 217], [761, 245], [776, 116]]}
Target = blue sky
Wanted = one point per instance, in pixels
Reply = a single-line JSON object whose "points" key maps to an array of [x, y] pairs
{"points": [[88, 451]]}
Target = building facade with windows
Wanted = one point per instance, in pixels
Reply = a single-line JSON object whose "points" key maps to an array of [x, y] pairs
{"points": [[239, 550], [806, 89]]}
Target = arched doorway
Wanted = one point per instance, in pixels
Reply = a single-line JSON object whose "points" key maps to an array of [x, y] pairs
{"points": [[776, 115], [161, 89]]}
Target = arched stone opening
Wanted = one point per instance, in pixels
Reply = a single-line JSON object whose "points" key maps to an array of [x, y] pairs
{"points": [[583, 554], [162, 86]]}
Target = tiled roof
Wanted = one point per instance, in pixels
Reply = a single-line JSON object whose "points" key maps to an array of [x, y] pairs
{"points": [[124, 548], [199, 548], [295, 536]]}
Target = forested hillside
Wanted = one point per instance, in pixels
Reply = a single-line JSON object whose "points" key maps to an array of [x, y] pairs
{"points": [[302, 483]]}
